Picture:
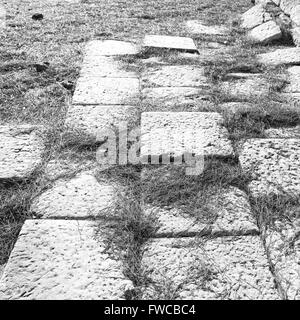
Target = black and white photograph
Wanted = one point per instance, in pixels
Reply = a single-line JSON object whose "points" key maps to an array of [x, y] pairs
{"points": [[149, 152]]}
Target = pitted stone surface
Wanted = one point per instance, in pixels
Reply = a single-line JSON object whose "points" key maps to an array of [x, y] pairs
{"points": [[170, 42], [254, 17], [2, 266], [197, 27], [92, 120], [246, 88], [21, 151], [265, 33], [173, 97], [281, 56], [102, 66], [294, 80], [296, 35], [175, 133], [284, 133], [107, 91], [60, 259], [175, 76], [231, 208], [110, 48], [283, 245], [295, 15], [274, 164], [288, 5], [221, 268], [79, 197]]}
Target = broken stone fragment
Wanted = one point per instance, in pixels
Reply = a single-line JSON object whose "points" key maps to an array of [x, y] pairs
{"points": [[265, 33]]}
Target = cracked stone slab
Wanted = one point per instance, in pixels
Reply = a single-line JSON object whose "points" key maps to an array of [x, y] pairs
{"points": [[175, 76], [281, 56], [288, 5], [170, 42], [229, 209], [80, 197], [110, 48], [283, 246], [274, 165], [175, 97], [21, 151], [108, 67], [265, 33], [283, 133], [234, 268], [177, 133], [61, 259], [107, 91], [246, 88], [92, 120], [197, 27], [254, 17]]}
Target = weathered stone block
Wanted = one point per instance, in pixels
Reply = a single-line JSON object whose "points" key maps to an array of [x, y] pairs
{"points": [[265, 33], [281, 56], [254, 17], [21, 151]]}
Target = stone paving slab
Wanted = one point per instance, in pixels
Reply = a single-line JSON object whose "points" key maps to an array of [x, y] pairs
{"points": [[110, 48], [234, 268], [175, 133], [107, 91], [197, 27], [265, 33], [274, 165], [80, 197], [60, 259], [246, 88], [175, 76], [283, 246], [294, 80], [172, 98], [109, 67], [280, 56], [254, 17], [283, 133], [230, 209], [21, 151], [92, 120], [170, 42]]}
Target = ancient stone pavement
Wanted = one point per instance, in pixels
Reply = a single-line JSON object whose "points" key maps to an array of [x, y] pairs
{"points": [[62, 253]]}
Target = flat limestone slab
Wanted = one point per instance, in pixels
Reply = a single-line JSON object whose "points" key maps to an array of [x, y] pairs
{"points": [[274, 165], [60, 259], [91, 120], [175, 76], [21, 151], [170, 42], [230, 207], [80, 197], [197, 27], [175, 133], [254, 17], [280, 56], [110, 48], [234, 268], [265, 33], [173, 97], [107, 91], [109, 67]]}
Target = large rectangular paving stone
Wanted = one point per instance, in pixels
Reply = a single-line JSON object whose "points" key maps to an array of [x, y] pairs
{"points": [[176, 133], [60, 259], [109, 67], [170, 42], [21, 151], [110, 48], [281, 56], [91, 121], [80, 197], [227, 212], [274, 165], [234, 268], [172, 98], [107, 91], [175, 76]]}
